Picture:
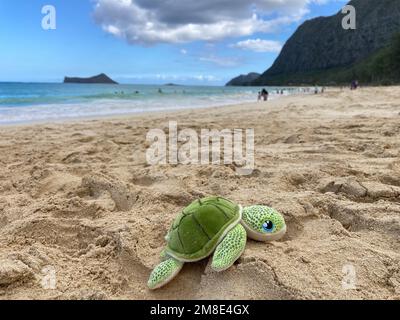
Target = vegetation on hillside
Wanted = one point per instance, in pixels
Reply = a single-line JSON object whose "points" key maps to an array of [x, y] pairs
{"points": [[381, 68]]}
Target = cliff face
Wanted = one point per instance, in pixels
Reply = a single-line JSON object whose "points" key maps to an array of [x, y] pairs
{"points": [[101, 78], [244, 80], [322, 43]]}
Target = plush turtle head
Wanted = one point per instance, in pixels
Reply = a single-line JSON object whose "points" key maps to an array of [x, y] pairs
{"points": [[263, 223]]}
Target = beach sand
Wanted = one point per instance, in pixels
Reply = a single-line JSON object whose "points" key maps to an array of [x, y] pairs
{"points": [[83, 216]]}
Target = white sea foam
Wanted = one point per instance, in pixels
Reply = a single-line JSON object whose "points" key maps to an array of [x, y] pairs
{"points": [[21, 103]]}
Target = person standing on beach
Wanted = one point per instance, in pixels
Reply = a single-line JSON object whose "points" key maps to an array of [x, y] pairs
{"points": [[354, 85]]}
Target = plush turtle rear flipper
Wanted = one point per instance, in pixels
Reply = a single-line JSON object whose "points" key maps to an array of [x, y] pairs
{"points": [[164, 273]]}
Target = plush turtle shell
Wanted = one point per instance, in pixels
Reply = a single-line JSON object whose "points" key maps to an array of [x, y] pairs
{"points": [[200, 227]]}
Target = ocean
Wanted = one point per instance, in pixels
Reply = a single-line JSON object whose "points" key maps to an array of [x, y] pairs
{"points": [[38, 102]]}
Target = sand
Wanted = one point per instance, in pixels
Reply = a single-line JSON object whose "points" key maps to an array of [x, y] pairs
{"points": [[83, 216]]}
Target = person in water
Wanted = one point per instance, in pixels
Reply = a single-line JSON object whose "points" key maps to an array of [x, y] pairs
{"points": [[264, 94]]}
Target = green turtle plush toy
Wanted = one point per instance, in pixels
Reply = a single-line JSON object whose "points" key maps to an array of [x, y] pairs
{"points": [[214, 225]]}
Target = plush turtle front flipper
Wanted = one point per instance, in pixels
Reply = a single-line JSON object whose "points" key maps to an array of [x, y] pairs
{"points": [[230, 249], [164, 273]]}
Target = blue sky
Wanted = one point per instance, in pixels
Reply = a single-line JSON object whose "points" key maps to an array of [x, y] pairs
{"points": [[149, 41]]}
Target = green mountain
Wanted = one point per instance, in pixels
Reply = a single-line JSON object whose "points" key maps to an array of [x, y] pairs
{"points": [[322, 52], [380, 68], [244, 80]]}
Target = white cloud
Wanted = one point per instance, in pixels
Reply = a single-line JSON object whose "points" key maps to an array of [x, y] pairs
{"points": [[184, 51], [221, 61], [259, 45], [206, 78], [169, 21], [169, 77]]}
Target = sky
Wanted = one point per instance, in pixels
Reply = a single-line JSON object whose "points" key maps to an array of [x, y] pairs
{"points": [[196, 42]]}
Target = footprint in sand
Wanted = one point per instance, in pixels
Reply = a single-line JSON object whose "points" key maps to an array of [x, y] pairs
{"points": [[98, 184], [13, 270], [362, 192]]}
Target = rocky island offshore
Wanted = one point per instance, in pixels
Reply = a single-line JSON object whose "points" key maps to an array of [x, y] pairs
{"points": [[99, 79]]}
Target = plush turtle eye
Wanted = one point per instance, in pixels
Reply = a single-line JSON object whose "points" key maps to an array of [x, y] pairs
{"points": [[268, 226]]}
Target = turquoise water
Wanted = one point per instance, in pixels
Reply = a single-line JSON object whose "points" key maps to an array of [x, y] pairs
{"points": [[31, 102]]}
